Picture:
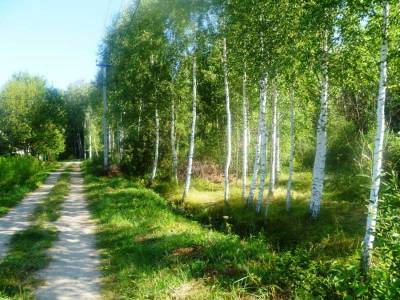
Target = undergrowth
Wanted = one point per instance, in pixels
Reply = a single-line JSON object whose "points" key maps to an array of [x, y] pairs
{"points": [[18, 176]]}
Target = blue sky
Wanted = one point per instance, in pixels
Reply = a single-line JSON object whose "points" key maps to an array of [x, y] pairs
{"points": [[57, 39]]}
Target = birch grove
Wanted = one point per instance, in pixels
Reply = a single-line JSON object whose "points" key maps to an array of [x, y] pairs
{"points": [[316, 56]]}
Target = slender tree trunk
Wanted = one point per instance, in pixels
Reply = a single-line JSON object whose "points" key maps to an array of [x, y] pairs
{"points": [[80, 145], [245, 137], [256, 164], [173, 144], [263, 148], [154, 173], [140, 117], [111, 144], [271, 186], [291, 158], [192, 134], [228, 126], [278, 150], [105, 123], [320, 154], [237, 154], [90, 146], [378, 149], [90, 138], [121, 143]]}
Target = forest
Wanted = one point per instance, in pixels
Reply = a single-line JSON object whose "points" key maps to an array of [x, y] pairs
{"points": [[231, 150]]}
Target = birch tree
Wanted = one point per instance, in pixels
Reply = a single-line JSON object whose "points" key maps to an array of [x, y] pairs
{"points": [[320, 153], [278, 148], [272, 172], [291, 155], [157, 144], [192, 134], [263, 144], [245, 135], [378, 149], [173, 144], [228, 125], [271, 185], [256, 164]]}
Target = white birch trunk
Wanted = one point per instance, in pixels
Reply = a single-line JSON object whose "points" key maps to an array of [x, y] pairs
{"points": [[320, 154], [263, 148], [173, 144], [192, 134], [245, 137], [277, 150], [155, 164], [291, 157], [378, 149], [271, 186], [228, 126], [256, 164]]}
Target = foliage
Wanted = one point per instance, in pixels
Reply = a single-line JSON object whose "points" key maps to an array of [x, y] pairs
{"points": [[18, 176], [32, 117], [167, 254]]}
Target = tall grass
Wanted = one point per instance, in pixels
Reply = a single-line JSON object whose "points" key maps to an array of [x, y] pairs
{"points": [[155, 250], [18, 176]]}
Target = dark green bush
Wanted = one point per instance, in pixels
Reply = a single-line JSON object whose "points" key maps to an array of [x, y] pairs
{"points": [[392, 155], [16, 170]]}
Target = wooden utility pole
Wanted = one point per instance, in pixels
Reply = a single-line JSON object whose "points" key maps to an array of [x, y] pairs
{"points": [[105, 123]]}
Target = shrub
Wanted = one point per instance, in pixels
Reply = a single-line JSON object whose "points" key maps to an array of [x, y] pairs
{"points": [[17, 170]]}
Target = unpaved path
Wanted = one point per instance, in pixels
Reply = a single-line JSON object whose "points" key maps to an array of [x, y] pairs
{"points": [[18, 218], [73, 272]]}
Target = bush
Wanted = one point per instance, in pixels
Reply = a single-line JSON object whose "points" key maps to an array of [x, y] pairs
{"points": [[392, 155], [17, 170]]}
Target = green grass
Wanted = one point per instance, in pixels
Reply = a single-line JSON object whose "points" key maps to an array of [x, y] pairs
{"points": [[339, 227], [27, 253], [155, 250], [12, 191], [49, 210]]}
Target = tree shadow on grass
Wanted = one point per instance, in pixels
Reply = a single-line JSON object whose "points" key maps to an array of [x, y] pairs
{"points": [[149, 246]]}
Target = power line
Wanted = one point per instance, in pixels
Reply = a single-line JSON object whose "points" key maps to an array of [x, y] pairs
{"points": [[134, 13], [107, 13]]}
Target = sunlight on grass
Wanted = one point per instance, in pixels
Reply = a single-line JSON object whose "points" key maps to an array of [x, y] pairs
{"points": [[154, 249], [27, 254]]}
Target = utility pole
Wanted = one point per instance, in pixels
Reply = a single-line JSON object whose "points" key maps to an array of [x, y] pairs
{"points": [[105, 123], [88, 125]]}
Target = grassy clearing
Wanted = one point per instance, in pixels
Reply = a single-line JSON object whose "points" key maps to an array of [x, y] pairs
{"points": [[20, 176], [27, 253], [151, 250], [340, 226]]}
